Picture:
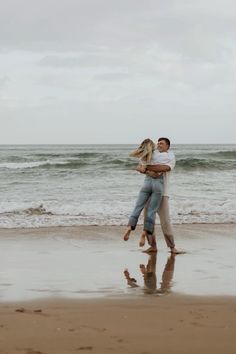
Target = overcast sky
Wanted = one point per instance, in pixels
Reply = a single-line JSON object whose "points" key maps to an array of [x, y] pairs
{"points": [[117, 71]]}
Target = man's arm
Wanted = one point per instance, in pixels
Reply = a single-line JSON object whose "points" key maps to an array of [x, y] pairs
{"points": [[153, 168], [158, 168]]}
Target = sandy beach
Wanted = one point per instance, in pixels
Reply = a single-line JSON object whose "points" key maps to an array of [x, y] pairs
{"points": [[171, 324], [63, 290]]}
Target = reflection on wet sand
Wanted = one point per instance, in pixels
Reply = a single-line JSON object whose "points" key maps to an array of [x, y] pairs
{"points": [[150, 278]]}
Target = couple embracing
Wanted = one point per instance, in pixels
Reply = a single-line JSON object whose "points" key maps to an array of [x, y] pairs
{"points": [[157, 165]]}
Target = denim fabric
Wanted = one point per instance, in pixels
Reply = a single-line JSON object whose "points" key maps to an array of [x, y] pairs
{"points": [[152, 188]]}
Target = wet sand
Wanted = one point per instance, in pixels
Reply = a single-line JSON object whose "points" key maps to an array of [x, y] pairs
{"points": [[66, 290], [84, 262]]}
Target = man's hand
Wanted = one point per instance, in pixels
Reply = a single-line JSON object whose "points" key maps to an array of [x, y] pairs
{"points": [[141, 168], [154, 174]]}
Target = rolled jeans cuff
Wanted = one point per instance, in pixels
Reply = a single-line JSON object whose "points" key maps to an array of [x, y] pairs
{"points": [[149, 227], [133, 222]]}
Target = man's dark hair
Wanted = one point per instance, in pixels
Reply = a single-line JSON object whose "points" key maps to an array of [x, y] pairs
{"points": [[166, 140]]}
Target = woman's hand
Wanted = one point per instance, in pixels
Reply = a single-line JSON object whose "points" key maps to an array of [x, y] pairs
{"points": [[141, 169], [154, 174]]}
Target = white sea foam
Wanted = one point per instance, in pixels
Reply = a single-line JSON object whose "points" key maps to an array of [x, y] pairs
{"points": [[33, 164], [23, 165], [182, 211]]}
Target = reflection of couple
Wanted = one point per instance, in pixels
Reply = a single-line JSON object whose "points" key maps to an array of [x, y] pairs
{"points": [[149, 275], [154, 194]]}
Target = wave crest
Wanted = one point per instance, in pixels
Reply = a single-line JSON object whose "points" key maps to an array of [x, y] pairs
{"points": [[197, 163]]}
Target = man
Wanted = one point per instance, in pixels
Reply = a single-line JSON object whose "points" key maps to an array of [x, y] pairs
{"points": [[163, 211]]}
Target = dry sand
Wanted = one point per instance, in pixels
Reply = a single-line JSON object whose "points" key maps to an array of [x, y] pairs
{"points": [[170, 324], [125, 321]]}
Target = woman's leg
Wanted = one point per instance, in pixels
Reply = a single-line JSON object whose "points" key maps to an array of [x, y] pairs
{"points": [[151, 239], [154, 203], [143, 196]]}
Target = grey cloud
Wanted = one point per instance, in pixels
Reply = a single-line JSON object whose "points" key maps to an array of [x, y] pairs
{"points": [[95, 59], [167, 59], [119, 76], [65, 25], [4, 81], [104, 67], [60, 62]]}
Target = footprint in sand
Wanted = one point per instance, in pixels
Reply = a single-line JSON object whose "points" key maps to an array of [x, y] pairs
{"points": [[32, 351], [85, 348]]}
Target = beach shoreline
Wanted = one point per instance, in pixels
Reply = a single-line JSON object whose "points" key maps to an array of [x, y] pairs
{"points": [[117, 228]]}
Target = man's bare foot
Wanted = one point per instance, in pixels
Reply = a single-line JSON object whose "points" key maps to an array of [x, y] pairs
{"points": [[175, 251], [151, 239], [151, 250], [127, 234], [142, 239]]}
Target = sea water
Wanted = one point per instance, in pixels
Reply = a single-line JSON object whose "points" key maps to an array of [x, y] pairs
{"points": [[63, 185]]}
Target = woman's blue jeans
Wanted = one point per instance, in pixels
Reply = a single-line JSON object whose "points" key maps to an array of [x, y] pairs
{"points": [[151, 190]]}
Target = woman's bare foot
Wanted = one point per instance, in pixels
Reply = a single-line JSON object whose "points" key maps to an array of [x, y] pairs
{"points": [[142, 239], [127, 233]]}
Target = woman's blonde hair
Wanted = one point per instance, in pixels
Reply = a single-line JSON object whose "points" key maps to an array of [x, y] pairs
{"points": [[144, 151]]}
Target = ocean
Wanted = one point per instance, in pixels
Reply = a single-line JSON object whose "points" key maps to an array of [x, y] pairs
{"points": [[68, 185]]}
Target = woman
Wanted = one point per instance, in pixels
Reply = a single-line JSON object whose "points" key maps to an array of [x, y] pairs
{"points": [[152, 190]]}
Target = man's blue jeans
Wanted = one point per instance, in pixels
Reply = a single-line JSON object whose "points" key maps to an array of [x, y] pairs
{"points": [[152, 188]]}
